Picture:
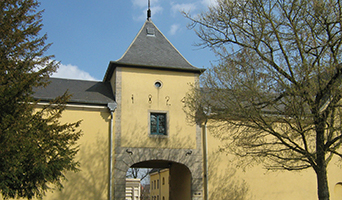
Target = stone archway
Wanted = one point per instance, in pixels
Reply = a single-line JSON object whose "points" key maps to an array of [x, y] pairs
{"points": [[180, 159], [179, 177]]}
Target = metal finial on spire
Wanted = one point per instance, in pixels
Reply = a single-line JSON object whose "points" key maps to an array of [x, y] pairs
{"points": [[149, 11]]}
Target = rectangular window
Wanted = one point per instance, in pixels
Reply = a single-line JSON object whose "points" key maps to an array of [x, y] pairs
{"points": [[158, 123]]}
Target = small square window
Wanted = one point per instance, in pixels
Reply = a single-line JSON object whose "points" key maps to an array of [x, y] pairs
{"points": [[150, 31], [158, 123]]}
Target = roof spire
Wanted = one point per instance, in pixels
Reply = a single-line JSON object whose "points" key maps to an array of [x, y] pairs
{"points": [[149, 11]]}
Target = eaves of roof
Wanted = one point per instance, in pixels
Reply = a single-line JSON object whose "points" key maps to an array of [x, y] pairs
{"points": [[114, 64], [82, 91]]}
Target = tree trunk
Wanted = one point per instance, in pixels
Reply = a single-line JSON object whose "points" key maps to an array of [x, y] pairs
{"points": [[321, 168], [322, 183]]}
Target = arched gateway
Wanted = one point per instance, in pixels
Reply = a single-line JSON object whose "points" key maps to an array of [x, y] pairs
{"points": [[185, 181]]}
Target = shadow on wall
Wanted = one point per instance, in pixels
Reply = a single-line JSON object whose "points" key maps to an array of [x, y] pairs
{"points": [[224, 184], [138, 136], [91, 182]]}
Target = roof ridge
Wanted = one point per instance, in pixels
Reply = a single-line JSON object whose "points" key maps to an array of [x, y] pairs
{"points": [[71, 79], [173, 45], [135, 38]]}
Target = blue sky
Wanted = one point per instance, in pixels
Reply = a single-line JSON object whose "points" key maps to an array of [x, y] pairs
{"points": [[88, 34]]}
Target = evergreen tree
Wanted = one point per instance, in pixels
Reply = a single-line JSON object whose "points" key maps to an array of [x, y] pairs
{"points": [[35, 148]]}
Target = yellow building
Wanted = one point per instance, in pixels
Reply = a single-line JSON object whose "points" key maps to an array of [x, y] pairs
{"points": [[135, 118], [159, 184]]}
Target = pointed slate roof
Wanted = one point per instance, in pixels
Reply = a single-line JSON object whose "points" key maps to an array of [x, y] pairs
{"points": [[151, 49]]}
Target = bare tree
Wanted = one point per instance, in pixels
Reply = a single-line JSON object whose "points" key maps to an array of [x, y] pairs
{"points": [[140, 173], [277, 87]]}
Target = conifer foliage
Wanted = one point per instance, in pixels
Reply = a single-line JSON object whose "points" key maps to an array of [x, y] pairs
{"points": [[35, 148]]}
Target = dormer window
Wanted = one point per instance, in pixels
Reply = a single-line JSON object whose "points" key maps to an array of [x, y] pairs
{"points": [[150, 31]]}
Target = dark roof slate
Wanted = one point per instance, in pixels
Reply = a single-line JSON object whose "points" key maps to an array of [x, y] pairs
{"points": [[151, 49], [82, 91]]}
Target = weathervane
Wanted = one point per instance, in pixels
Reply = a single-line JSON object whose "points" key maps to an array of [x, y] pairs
{"points": [[149, 11]]}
